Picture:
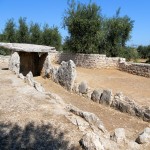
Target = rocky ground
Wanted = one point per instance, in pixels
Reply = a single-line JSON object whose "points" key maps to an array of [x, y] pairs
{"points": [[33, 120]]}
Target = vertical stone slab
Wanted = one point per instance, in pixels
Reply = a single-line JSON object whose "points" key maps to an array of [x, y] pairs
{"points": [[44, 64], [14, 62], [66, 74]]}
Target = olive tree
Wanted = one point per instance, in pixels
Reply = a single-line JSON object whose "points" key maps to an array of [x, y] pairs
{"points": [[84, 24]]}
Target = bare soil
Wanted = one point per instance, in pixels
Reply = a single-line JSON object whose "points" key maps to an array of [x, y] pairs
{"points": [[29, 119], [133, 86], [111, 118]]}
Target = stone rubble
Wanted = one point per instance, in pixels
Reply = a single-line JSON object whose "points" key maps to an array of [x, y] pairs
{"points": [[29, 80], [96, 137]]}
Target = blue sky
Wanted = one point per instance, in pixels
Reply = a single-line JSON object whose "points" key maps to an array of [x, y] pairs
{"points": [[51, 12]]}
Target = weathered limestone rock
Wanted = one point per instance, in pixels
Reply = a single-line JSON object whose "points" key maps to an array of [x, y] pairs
{"points": [[21, 76], [133, 145], [95, 135], [39, 87], [119, 135], [57, 98], [91, 141], [91, 118], [66, 74], [46, 66], [96, 95], [144, 137], [83, 87], [76, 88], [124, 104], [146, 116], [106, 97], [29, 79], [14, 62], [52, 73], [88, 94], [19, 47]]}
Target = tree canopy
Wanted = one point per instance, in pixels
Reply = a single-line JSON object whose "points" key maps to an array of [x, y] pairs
{"points": [[9, 33], [83, 23], [30, 33], [90, 32]]}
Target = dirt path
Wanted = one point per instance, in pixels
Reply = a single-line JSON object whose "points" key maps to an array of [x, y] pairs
{"points": [[112, 119], [31, 120], [136, 87]]}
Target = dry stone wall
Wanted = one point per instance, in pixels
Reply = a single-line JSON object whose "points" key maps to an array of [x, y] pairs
{"points": [[140, 69], [86, 60], [101, 61]]}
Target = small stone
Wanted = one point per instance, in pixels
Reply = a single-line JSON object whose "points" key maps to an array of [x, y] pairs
{"points": [[91, 141], [83, 87], [95, 96], [106, 97], [144, 137], [21, 76], [39, 87], [119, 135]]}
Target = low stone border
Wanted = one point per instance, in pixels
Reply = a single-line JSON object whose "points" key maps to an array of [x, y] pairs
{"points": [[116, 101], [65, 75]]}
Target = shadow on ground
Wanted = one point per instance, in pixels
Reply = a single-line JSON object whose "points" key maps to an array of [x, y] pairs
{"points": [[4, 69], [43, 137]]}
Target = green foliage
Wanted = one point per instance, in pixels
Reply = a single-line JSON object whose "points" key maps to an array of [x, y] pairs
{"points": [[4, 51], [89, 32], [129, 53], [51, 37], [30, 34], [116, 33], [35, 33], [9, 33], [23, 32], [144, 52], [83, 23]]}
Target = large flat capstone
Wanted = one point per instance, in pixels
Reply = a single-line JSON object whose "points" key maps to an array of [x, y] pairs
{"points": [[20, 47]]}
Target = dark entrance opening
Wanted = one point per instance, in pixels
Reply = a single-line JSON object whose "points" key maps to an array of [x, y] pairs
{"points": [[31, 62]]}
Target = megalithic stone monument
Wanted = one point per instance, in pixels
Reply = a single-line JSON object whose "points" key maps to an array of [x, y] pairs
{"points": [[29, 57]]}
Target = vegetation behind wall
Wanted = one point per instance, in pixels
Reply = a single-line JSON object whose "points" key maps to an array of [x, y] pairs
{"points": [[32, 33]]}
